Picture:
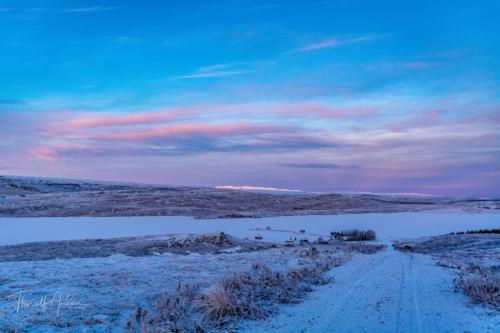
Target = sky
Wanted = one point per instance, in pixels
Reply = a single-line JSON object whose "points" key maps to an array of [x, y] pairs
{"points": [[364, 96]]}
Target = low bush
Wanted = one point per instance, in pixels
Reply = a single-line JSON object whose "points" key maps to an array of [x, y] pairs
{"points": [[480, 231], [355, 235], [253, 294], [480, 284], [173, 313]]}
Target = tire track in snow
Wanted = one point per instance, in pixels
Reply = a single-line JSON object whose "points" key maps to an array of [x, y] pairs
{"points": [[392, 292], [416, 292], [338, 316], [400, 299]]}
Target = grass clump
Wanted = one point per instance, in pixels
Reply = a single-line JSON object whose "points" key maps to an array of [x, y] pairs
{"points": [[480, 284], [252, 294], [173, 312]]}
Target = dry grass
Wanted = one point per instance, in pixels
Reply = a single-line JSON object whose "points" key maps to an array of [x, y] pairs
{"points": [[218, 303], [480, 284], [253, 295], [366, 248], [173, 313]]}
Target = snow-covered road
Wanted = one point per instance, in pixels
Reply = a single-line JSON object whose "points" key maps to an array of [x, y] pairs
{"points": [[390, 291]]}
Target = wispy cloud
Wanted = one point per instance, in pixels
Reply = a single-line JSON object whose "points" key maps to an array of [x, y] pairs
{"points": [[99, 120], [336, 42], [220, 70], [182, 131], [87, 9], [175, 131], [331, 166], [320, 111]]}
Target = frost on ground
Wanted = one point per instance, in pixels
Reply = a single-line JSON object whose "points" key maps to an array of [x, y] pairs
{"points": [[474, 254], [254, 294], [480, 284], [222, 283], [389, 291], [101, 294], [129, 246]]}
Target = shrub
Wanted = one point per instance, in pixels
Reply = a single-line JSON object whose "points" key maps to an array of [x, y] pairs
{"points": [[173, 313], [217, 303], [253, 295], [480, 284], [480, 231], [355, 235]]}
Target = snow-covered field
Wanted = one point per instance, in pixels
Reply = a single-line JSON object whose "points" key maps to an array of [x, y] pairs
{"points": [[104, 292], [389, 291], [387, 226]]}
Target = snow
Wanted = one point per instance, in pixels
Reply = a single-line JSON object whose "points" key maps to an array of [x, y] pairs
{"points": [[112, 286], [385, 292], [389, 291], [387, 226]]}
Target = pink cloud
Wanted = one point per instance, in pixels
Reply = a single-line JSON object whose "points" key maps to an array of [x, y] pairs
{"points": [[425, 118], [94, 121], [43, 153], [197, 129], [77, 123], [50, 152], [90, 120]]}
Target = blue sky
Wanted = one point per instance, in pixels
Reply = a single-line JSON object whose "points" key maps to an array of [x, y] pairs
{"points": [[331, 95]]}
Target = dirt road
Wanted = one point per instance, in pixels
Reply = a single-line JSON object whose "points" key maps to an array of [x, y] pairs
{"points": [[387, 292]]}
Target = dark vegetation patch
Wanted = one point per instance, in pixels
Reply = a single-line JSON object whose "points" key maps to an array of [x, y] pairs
{"points": [[355, 235], [480, 231]]}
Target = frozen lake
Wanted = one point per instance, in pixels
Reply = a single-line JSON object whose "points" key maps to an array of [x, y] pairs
{"points": [[387, 226]]}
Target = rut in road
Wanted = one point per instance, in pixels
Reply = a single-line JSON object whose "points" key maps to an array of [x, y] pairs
{"points": [[390, 291]]}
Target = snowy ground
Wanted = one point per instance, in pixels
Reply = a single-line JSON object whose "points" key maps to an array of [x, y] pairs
{"points": [[108, 289], [389, 291]]}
